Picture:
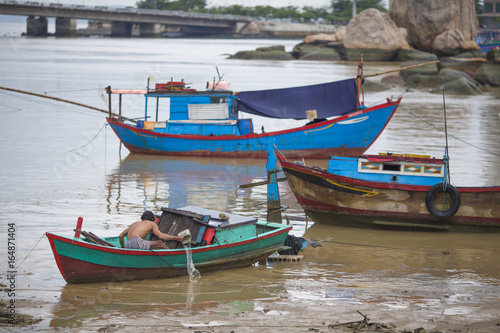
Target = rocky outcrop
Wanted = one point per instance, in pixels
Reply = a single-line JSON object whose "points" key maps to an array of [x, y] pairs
{"points": [[375, 36], [493, 55], [320, 39], [452, 42], [306, 51], [488, 74], [426, 19], [468, 62], [319, 47], [412, 54], [460, 86], [431, 69], [276, 52]]}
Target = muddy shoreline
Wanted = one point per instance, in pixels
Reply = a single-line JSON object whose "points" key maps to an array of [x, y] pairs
{"points": [[270, 317], [317, 306]]}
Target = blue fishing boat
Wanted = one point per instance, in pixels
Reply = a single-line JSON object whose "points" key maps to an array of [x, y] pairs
{"points": [[207, 123], [488, 40], [390, 191]]}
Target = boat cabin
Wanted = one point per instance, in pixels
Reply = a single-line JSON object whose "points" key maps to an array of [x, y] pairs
{"points": [[174, 109], [391, 168], [205, 225]]}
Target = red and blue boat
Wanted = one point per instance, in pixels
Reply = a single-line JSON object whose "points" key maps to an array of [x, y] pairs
{"points": [[488, 40], [407, 192], [216, 244], [207, 123]]}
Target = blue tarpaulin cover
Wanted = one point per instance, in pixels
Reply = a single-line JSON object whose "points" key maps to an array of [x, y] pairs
{"points": [[328, 99]]}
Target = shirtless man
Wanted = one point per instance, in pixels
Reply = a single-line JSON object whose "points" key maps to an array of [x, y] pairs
{"points": [[138, 231]]}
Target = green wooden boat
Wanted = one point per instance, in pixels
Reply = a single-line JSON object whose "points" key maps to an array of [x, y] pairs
{"points": [[216, 244]]}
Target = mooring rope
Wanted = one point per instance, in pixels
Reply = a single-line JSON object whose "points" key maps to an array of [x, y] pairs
{"points": [[453, 136], [22, 261], [103, 126]]}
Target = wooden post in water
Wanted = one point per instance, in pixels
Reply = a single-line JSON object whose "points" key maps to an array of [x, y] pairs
{"points": [[120, 106], [108, 90], [273, 194]]}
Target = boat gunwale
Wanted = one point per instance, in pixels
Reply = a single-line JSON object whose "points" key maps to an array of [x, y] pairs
{"points": [[169, 252], [383, 185], [117, 122]]}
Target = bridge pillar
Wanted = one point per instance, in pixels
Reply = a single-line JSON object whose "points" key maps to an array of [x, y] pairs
{"points": [[151, 29], [65, 27], [121, 29], [36, 26]]}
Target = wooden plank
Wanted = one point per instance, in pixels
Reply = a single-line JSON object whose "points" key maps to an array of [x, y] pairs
{"points": [[94, 239], [264, 182], [173, 221], [185, 213]]}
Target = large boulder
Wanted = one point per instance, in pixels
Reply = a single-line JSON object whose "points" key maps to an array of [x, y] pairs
{"points": [[452, 42], [489, 73], [393, 80], [460, 86], [306, 51], [468, 62], [320, 39], [373, 35], [412, 54], [276, 52], [426, 19], [493, 55], [435, 81], [429, 69]]}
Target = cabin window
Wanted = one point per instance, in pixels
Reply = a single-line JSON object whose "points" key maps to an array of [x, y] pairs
{"points": [[391, 167], [207, 111], [218, 100]]}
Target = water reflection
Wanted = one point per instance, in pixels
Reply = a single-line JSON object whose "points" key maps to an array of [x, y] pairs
{"points": [[379, 254], [156, 182], [150, 182], [228, 293]]}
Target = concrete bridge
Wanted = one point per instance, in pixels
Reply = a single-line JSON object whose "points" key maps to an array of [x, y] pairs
{"points": [[150, 23]]}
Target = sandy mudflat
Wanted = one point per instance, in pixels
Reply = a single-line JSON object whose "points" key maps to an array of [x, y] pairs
{"points": [[278, 314]]}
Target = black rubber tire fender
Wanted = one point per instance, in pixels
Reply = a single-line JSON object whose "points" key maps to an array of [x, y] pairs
{"points": [[455, 201]]}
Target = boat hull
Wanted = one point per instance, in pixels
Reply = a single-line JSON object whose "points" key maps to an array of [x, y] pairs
{"points": [[83, 262], [489, 46], [338, 200], [347, 135]]}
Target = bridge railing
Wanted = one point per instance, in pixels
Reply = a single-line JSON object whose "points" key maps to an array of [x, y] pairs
{"points": [[54, 5]]}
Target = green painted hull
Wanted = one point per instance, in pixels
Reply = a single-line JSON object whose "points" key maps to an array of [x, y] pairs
{"points": [[81, 262]]}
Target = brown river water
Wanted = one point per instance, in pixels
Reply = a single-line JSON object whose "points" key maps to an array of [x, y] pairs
{"points": [[59, 162]]}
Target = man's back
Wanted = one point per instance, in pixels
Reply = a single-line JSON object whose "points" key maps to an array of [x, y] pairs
{"points": [[140, 229]]}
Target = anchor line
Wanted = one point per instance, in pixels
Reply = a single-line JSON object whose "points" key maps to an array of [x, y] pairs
{"points": [[453, 136], [22, 261], [230, 264], [384, 247], [205, 274], [91, 139], [172, 266]]}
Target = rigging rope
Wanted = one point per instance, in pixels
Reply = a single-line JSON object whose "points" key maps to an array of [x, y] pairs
{"points": [[453, 136], [103, 126]]}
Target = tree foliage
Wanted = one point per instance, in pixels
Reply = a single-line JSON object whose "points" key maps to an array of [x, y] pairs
{"points": [[339, 10], [181, 5]]}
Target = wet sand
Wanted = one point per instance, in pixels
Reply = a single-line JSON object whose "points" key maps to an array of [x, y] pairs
{"points": [[319, 293], [280, 313]]}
